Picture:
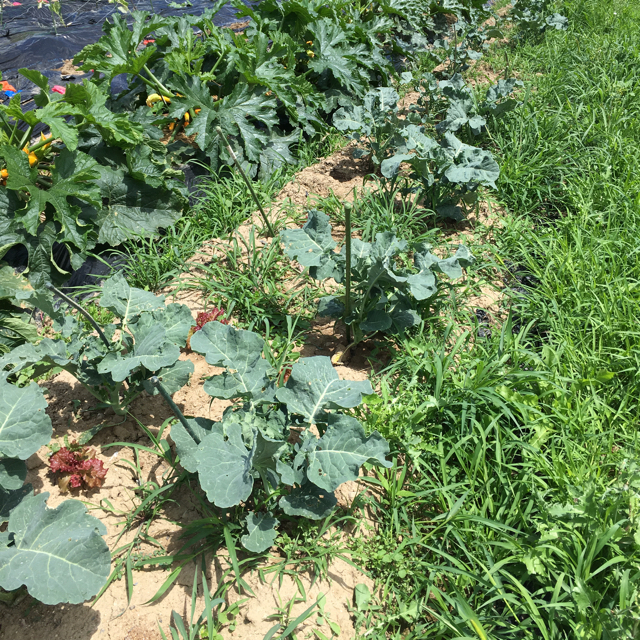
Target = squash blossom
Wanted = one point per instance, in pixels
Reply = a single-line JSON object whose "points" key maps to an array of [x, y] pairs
{"points": [[33, 158], [43, 138], [4, 174]]}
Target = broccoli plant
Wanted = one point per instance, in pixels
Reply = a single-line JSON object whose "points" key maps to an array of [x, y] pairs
{"points": [[463, 109], [58, 554], [446, 169], [114, 362], [533, 17], [282, 445], [380, 295]]}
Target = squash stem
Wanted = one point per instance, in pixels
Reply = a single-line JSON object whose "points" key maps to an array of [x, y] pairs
{"points": [[272, 233]]}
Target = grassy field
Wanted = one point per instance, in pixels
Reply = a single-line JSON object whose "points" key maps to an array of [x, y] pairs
{"points": [[516, 514]]}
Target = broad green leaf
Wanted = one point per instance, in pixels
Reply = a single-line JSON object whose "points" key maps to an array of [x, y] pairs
{"points": [[127, 302], [453, 266], [362, 597], [186, 446], [404, 319], [172, 377], [10, 499], [353, 118], [310, 245], [423, 285], [277, 152], [24, 425], [117, 50], [13, 473], [224, 466], [330, 306], [116, 129], [14, 286], [390, 167], [461, 112], [558, 22], [333, 53], [236, 114], [376, 320], [73, 174], [501, 90], [133, 208], [342, 450], [314, 385], [151, 350], [309, 501], [58, 554], [470, 164], [291, 474], [238, 350], [176, 320], [266, 456], [262, 532]]}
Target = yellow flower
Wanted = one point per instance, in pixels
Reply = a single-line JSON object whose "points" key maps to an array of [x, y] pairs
{"points": [[33, 158], [4, 174], [187, 117], [43, 138]]}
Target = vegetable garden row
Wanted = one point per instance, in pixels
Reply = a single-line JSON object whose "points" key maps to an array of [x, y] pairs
{"points": [[109, 168]]}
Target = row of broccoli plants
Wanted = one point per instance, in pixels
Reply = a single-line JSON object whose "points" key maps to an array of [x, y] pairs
{"points": [[264, 452], [107, 169]]}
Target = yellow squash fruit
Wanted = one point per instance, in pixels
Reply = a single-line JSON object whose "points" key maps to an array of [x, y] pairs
{"points": [[156, 97]]}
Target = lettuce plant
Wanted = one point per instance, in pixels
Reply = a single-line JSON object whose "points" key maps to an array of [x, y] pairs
{"points": [[282, 446], [385, 296], [114, 363]]}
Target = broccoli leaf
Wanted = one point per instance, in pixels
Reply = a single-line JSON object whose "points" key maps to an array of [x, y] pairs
{"points": [[224, 466], [342, 450], [314, 385], [12, 473], [262, 532], [24, 425], [127, 302], [58, 554], [240, 351], [309, 501]]}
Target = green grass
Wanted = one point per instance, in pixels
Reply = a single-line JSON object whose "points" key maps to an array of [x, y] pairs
{"points": [[512, 512]]}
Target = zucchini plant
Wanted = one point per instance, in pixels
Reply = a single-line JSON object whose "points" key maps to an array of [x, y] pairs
{"points": [[97, 178], [58, 554], [283, 445], [114, 362], [381, 295]]}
